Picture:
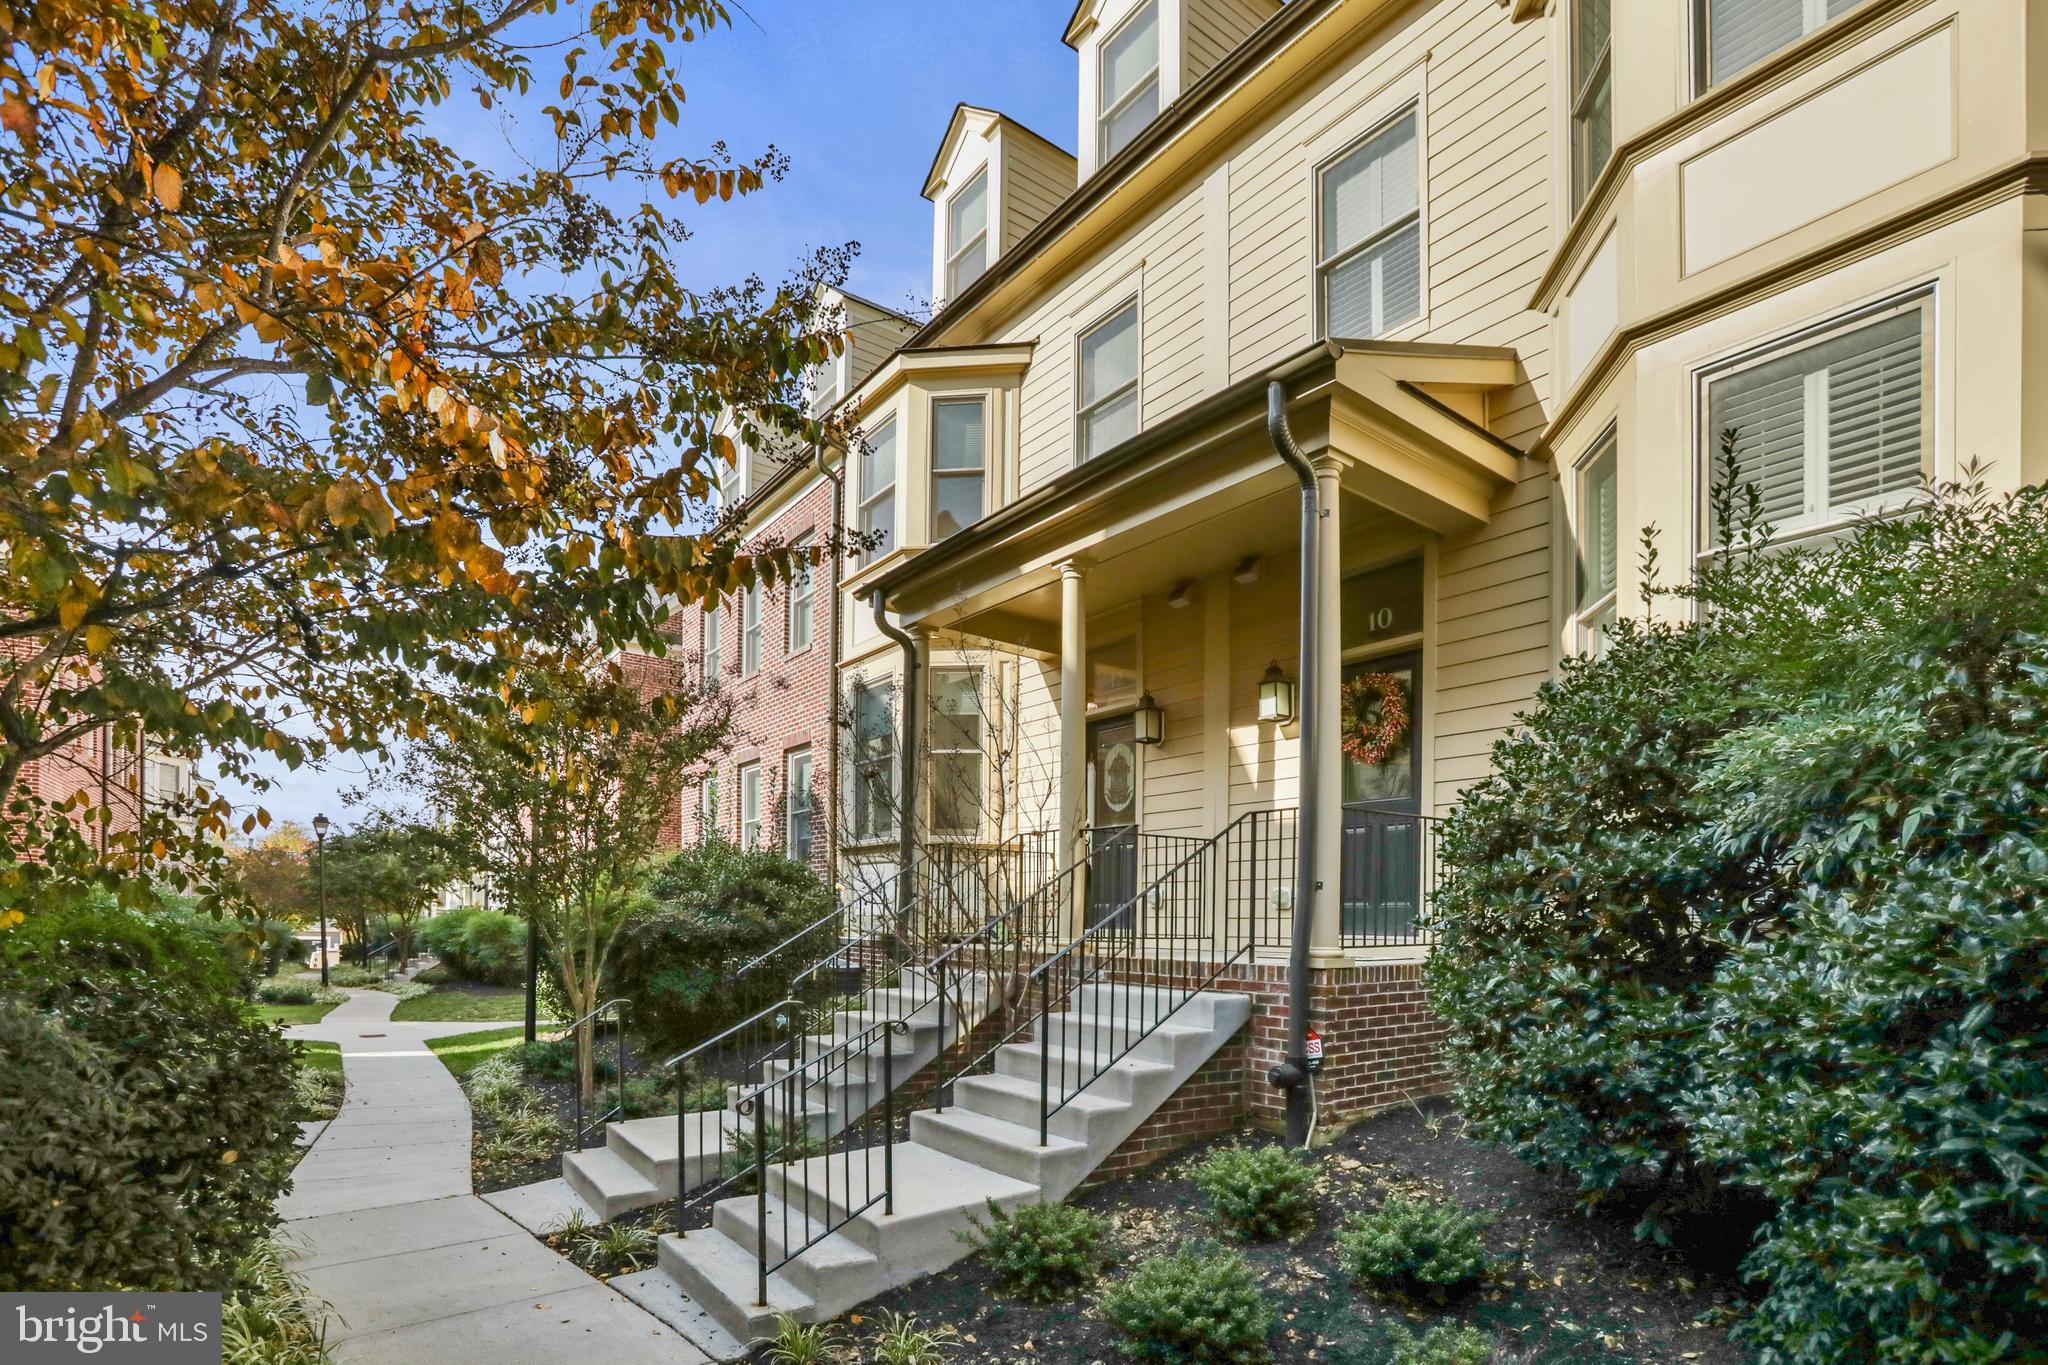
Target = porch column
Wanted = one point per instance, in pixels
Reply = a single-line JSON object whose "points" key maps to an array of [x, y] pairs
{"points": [[1329, 755], [1073, 719]]}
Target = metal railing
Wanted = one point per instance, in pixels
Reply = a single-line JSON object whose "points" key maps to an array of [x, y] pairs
{"points": [[1390, 871], [809, 1210], [769, 1034], [579, 1130]]}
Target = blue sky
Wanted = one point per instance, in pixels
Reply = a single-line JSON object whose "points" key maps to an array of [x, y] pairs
{"points": [[857, 93]]}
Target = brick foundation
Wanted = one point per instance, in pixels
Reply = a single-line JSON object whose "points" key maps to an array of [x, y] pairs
{"points": [[1210, 1102]]}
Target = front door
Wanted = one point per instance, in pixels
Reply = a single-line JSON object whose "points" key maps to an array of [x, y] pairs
{"points": [[1112, 816], [1381, 877]]}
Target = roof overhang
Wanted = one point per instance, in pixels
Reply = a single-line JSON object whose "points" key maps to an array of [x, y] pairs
{"points": [[1394, 418]]}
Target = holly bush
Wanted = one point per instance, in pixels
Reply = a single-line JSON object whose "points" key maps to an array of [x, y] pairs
{"points": [[1756, 900], [151, 1123]]}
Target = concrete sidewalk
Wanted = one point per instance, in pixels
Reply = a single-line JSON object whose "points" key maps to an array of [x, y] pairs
{"points": [[415, 1267]]}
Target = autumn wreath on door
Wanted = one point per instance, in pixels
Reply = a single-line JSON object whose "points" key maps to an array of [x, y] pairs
{"points": [[1375, 716]]}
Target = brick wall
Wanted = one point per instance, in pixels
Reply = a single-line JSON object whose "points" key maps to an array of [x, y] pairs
{"points": [[1381, 1044], [785, 705], [1211, 1101]]}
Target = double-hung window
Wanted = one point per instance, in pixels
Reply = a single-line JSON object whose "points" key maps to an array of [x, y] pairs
{"points": [[707, 804], [1599, 544], [1109, 382], [799, 605], [957, 757], [714, 653], [874, 761], [1735, 35], [750, 806], [1592, 93], [1129, 80], [959, 462], [796, 804], [967, 234], [877, 512], [750, 629], [1370, 272], [1836, 426]]}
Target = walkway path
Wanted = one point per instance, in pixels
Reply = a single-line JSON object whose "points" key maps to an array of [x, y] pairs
{"points": [[416, 1268]]}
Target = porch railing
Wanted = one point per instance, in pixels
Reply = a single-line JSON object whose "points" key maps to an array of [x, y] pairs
{"points": [[1390, 871], [1175, 936]]}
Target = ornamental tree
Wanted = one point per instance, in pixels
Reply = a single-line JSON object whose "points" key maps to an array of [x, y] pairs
{"points": [[563, 807], [309, 424]]}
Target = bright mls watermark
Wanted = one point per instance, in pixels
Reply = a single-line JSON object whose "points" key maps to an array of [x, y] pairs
{"points": [[164, 1329]]}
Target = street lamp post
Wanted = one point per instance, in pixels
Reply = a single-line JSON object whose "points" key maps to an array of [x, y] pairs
{"points": [[320, 861]]}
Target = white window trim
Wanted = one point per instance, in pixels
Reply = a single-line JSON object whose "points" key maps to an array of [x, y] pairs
{"points": [[956, 250], [750, 629], [791, 791], [1134, 304], [1813, 18], [888, 827], [1587, 618], [1707, 443], [711, 657], [750, 819], [981, 683], [980, 472], [1325, 262], [862, 506], [1582, 174], [1156, 76], [802, 591]]}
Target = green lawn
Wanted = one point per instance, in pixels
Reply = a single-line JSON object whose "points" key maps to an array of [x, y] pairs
{"points": [[317, 1056], [464, 1005], [463, 1051], [292, 1014]]}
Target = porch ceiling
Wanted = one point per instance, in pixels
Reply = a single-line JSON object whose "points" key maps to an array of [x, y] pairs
{"points": [[1204, 489]]}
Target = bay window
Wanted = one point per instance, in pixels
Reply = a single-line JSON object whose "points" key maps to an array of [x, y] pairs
{"points": [[876, 515], [959, 463]]}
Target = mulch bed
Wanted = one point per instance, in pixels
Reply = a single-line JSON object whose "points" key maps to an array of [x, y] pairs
{"points": [[1568, 1286]]}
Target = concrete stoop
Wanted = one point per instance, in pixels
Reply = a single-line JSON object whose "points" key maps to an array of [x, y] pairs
{"points": [[982, 1148], [642, 1163]]}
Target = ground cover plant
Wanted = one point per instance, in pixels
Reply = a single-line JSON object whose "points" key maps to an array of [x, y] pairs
{"points": [[1752, 908], [1565, 1286]]}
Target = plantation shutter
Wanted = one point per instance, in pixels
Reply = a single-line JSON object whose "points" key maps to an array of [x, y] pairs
{"points": [[1874, 413], [1766, 409], [1830, 428], [1742, 33]]}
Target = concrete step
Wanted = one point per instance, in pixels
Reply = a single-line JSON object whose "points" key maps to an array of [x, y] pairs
{"points": [[1097, 1069], [937, 1194], [1009, 1149], [652, 1147], [608, 1182], [1110, 999], [1014, 1099], [724, 1278], [1114, 1035], [827, 1266]]}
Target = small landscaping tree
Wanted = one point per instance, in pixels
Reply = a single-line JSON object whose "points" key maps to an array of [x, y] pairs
{"points": [[382, 876], [567, 808]]}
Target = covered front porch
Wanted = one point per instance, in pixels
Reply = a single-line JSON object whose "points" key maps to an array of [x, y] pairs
{"points": [[1151, 597]]}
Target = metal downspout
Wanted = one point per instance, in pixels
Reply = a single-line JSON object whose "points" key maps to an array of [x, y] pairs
{"points": [[832, 665], [906, 804], [1292, 1075]]}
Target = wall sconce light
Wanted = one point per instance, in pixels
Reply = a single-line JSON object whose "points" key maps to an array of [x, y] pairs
{"points": [[1276, 696], [1182, 595], [1149, 721], [1248, 569]]}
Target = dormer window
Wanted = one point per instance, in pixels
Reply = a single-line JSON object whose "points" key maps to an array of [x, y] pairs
{"points": [[1130, 80], [967, 234], [822, 379]]}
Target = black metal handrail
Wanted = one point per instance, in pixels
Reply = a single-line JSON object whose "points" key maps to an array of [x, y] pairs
{"points": [[780, 1015], [574, 1030], [845, 1146]]}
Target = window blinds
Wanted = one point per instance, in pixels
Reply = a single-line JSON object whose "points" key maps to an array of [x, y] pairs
{"points": [[1741, 33]]}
